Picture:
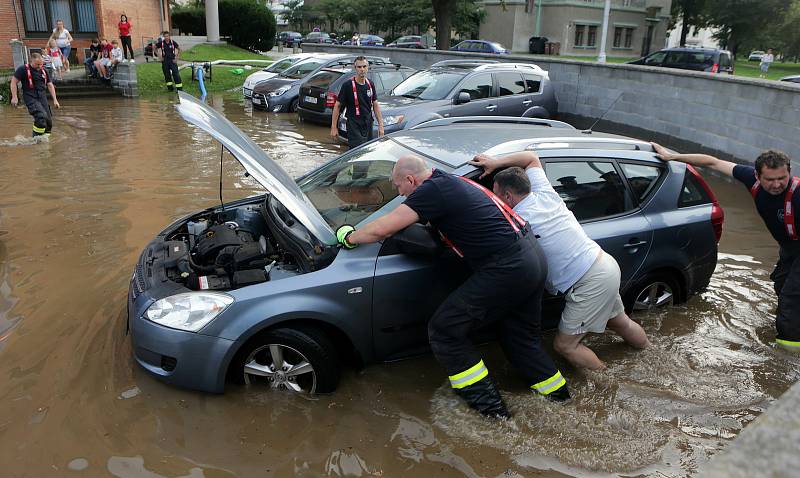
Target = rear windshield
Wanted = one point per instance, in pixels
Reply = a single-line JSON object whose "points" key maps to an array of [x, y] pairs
{"points": [[323, 79], [428, 85]]}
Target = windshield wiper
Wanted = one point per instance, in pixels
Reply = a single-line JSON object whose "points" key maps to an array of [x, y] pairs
{"points": [[410, 96]]}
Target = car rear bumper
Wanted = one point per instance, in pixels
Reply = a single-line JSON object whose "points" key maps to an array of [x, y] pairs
{"points": [[179, 358], [321, 117]]}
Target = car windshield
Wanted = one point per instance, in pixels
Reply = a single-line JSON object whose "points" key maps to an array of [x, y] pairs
{"points": [[498, 46], [279, 66], [348, 189], [303, 68], [428, 85]]}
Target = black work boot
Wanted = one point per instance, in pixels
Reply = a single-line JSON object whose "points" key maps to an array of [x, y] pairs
{"points": [[484, 397], [560, 395]]}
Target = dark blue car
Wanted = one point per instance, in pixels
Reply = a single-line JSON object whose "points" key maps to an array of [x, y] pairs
{"points": [[481, 46]]}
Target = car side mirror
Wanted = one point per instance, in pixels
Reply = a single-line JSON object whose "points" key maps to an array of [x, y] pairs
{"points": [[418, 239], [463, 97]]}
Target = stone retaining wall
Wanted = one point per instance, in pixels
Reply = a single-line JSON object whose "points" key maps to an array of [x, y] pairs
{"points": [[733, 117], [124, 80]]}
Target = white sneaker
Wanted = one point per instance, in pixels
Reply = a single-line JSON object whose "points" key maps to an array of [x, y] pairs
{"points": [[131, 60]]}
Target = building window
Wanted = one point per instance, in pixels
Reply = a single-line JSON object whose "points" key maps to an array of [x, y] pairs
{"points": [[579, 35], [41, 16], [623, 37], [592, 36]]}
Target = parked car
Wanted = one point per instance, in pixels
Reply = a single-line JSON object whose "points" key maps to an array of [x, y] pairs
{"points": [[318, 93], [318, 37], [281, 93], [290, 38], [697, 59], [453, 88], [366, 40], [480, 46], [409, 41], [791, 79], [257, 290], [755, 55], [271, 71]]}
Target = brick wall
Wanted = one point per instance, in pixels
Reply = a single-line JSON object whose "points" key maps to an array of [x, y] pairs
{"points": [[144, 15]]}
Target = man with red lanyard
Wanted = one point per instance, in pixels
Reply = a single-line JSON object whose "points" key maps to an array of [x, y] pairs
{"points": [[360, 99], [776, 195], [34, 81], [169, 61], [508, 276]]}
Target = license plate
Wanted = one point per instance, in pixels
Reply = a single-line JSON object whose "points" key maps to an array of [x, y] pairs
{"points": [[311, 99], [248, 92], [256, 101]]}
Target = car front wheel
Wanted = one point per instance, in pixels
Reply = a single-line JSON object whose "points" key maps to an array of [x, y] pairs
{"points": [[295, 360]]}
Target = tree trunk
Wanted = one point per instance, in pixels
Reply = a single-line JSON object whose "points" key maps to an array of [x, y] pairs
{"points": [[443, 11], [684, 28]]}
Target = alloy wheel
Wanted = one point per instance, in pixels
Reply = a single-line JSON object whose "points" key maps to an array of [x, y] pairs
{"points": [[654, 296], [282, 367]]}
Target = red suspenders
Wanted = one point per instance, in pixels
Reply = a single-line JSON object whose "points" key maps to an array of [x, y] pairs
{"points": [[30, 78], [511, 216], [788, 210], [355, 94]]}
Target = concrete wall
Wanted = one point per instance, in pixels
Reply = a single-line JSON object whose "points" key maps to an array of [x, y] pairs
{"points": [[732, 117]]}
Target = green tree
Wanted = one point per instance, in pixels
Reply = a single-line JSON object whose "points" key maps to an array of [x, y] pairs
{"points": [[468, 18], [295, 13], [690, 13], [742, 23], [330, 11], [249, 23]]}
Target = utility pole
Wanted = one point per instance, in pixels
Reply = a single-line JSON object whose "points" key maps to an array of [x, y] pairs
{"points": [[538, 31], [601, 58], [212, 21]]}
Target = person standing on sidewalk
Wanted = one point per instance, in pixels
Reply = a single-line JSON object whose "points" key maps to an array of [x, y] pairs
{"points": [[504, 291], [776, 194], [360, 99], [125, 36], [63, 39], [34, 82], [577, 267], [168, 52]]}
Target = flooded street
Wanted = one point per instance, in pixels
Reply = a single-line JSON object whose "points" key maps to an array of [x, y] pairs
{"points": [[75, 213]]}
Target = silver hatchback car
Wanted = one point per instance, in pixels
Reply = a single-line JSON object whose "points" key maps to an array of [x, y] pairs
{"points": [[258, 291]]}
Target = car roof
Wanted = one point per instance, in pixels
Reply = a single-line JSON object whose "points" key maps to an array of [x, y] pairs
{"points": [[458, 142], [377, 66]]}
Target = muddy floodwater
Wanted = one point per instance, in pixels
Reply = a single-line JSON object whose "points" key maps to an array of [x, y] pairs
{"points": [[76, 211]]}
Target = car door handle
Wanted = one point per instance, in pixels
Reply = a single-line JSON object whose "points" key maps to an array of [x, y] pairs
{"points": [[631, 245], [491, 107], [527, 102]]}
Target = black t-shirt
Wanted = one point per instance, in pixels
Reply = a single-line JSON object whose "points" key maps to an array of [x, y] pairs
{"points": [[168, 48], [39, 85], [770, 206], [366, 95], [95, 51], [465, 214]]}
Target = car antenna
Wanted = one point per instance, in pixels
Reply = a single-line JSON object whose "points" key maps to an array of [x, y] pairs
{"points": [[221, 152], [589, 131]]}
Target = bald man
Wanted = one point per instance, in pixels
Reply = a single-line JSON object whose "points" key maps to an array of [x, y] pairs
{"points": [[506, 285]]}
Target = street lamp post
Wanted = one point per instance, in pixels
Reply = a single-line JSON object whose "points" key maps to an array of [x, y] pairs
{"points": [[538, 18], [212, 21], [601, 58]]}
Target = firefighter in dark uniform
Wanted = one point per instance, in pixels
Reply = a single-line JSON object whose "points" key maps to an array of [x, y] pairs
{"points": [[169, 51], [359, 98], [34, 80], [777, 198], [507, 281]]}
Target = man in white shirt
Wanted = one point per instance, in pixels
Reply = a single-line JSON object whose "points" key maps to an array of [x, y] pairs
{"points": [[577, 267], [766, 60]]}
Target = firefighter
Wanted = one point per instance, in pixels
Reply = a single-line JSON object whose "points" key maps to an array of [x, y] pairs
{"points": [[168, 52], [508, 276], [34, 80], [776, 196], [360, 99]]}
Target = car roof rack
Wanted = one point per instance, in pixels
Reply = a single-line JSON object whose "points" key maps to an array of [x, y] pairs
{"points": [[462, 63], [521, 66], [494, 119]]}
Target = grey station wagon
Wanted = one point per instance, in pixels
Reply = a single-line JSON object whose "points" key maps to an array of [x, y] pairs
{"points": [[258, 291]]}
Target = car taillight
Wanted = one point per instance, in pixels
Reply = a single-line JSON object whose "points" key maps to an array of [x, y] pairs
{"points": [[330, 99], [717, 214], [715, 68]]}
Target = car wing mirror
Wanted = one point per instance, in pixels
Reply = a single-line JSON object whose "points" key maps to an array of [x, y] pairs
{"points": [[418, 239], [463, 97]]}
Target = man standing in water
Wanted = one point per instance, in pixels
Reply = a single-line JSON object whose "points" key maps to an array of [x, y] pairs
{"points": [[360, 99], [776, 195], [34, 81]]}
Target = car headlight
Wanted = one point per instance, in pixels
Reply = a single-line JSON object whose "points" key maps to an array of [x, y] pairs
{"points": [[280, 91], [189, 311], [393, 120]]}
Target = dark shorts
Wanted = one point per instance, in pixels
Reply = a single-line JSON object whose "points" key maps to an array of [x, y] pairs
{"points": [[358, 133]]}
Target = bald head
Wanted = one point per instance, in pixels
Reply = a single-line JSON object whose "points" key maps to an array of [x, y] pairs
{"points": [[409, 172]]}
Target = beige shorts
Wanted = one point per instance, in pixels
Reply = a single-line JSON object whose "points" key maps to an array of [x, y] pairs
{"points": [[594, 299]]}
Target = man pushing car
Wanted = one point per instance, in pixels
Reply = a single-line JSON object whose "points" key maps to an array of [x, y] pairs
{"points": [[508, 274]]}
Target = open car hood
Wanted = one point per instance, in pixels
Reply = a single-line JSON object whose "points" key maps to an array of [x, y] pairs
{"points": [[256, 162]]}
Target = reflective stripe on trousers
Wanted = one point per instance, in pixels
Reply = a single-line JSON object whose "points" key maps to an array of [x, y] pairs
{"points": [[788, 344], [469, 376], [38, 130], [550, 385]]}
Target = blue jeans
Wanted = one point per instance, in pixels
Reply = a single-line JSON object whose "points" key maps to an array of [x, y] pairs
{"points": [[65, 51]]}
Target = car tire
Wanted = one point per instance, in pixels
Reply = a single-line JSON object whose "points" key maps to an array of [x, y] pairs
{"points": [[654, 291], [310, 362], [293, 105]]}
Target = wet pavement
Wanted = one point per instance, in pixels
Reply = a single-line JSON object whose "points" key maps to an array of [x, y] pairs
{"points": [[76, 211]]}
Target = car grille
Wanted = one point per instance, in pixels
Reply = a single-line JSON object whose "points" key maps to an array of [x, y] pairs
{"points": [[260, 99]]}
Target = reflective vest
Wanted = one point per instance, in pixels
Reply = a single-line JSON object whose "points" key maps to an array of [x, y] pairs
{"points": [[788, 210]]}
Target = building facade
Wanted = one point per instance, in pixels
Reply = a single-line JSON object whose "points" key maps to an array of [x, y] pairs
{"points": [[32, 22], [636, 27]]}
